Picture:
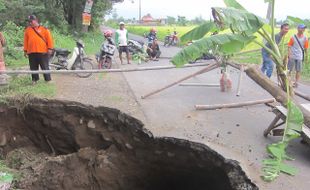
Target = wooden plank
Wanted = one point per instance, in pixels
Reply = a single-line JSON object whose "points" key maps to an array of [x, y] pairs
{"points": [[302, 95], [208, 68], [234, 105], [101, 70], [199, 84]]}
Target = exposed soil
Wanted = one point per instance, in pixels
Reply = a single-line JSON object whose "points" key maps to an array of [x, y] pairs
{"points": [[67, 145]]}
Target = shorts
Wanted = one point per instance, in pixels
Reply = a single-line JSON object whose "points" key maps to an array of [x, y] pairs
{"points": [[122, 49], [294, 63]]}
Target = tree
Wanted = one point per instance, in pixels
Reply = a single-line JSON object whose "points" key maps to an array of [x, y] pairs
{"points": [[198, 20], [56, 12], [182, 20], [171, 20], [226, 44]]}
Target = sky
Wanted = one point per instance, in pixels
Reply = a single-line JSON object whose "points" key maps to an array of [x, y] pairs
{"points": [[194, 8]]}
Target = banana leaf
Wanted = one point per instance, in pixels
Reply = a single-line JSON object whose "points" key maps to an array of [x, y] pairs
{"points": [[234, 4], [273, 166], [239, 21], [199, 32], [297, 20], [226, 44]]}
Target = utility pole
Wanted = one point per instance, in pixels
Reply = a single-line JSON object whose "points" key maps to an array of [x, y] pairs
{"points": [[139, 10], [268, 16]]}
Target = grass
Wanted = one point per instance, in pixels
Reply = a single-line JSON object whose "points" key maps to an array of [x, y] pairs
{"points": [[22, 85], [92, 41], [6, 175]]}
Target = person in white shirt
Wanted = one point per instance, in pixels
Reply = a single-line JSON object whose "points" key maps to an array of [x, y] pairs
{"points": [[121, 39]]}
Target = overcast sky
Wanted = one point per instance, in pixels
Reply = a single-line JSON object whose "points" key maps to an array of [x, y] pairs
{"points": [[194, 8]]}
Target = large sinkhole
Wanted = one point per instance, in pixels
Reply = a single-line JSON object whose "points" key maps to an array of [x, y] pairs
{"points": [[67, 145]]}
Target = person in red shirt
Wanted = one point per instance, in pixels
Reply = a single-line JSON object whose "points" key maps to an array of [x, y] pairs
{"points": [[38, 45], [297, 52]]}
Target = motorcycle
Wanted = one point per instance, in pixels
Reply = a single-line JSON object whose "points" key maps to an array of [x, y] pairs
{"points": [[171, 39], [78, 60], [135, 47], [105, 56]]}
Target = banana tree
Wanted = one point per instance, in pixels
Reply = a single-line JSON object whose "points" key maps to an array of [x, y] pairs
{"points": [[243, 27]]}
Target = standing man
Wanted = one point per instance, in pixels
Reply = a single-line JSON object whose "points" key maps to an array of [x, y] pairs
{"points": [[121, 39], [267, 67], [297, 52], [38, 45]]}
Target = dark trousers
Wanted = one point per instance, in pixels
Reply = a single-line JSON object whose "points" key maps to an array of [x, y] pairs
{"points": [[36, 59]]}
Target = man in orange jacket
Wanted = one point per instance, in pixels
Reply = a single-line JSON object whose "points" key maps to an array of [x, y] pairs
{"points": [[38, 45]]}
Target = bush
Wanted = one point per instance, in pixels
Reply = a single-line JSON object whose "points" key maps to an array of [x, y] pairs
{"points": [[14, 36]]}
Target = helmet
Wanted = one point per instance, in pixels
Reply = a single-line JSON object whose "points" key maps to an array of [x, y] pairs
{"points": [[121, 23], [153, 29], [108, 33]]}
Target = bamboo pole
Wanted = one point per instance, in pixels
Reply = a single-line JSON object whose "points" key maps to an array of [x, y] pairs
{"points": [[9, 72], [302, 95], [199, 84], [276, 91], [208, 68], [234, 105], [240, 80]]}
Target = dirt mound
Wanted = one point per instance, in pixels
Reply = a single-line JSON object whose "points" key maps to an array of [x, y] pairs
{"points": [[66, 145]]}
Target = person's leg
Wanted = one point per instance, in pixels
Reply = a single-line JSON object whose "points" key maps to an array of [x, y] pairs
{"points": [[127, 54], [269, 67], [120, 49], [44, 66], [34, 66], [298, 67], [158, 54], [264, 56]]}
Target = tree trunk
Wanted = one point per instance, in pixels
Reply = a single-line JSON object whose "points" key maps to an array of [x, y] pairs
{"points": [[276, 91]]}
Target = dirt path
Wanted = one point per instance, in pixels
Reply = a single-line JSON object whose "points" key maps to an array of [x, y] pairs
{"points": [[109, 90], [235, 133]]}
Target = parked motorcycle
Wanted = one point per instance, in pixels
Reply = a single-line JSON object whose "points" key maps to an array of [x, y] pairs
{"points": [[107, 50], [78, 60], [135, 46], [171, 39]]}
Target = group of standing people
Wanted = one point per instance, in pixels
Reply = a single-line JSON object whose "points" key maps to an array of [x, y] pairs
{"points": [[297, 52], [121, 40]]}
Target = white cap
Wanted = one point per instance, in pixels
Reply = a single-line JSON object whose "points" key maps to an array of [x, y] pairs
{"points": [[121, 23]]}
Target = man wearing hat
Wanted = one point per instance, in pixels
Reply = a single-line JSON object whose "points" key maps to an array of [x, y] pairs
{"points": [[38, 44], [297, 52], [121, 39]]}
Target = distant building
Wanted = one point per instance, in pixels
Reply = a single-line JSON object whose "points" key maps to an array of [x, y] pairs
{"points": [[149, 20]]}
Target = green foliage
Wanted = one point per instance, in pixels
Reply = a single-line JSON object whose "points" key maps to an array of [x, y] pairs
{"points": [[234, 4], [14, 36], [6, 175], [57, 13], [22, 85], [171, 20], [199, 32], [221, 43], [239, 21], [273, 166]]}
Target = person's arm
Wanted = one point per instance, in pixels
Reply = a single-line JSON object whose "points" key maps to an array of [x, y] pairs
{"points": [[306, 46], [290, 44], [116, 38], [127, 36], [49, 40], [3, 43]]}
